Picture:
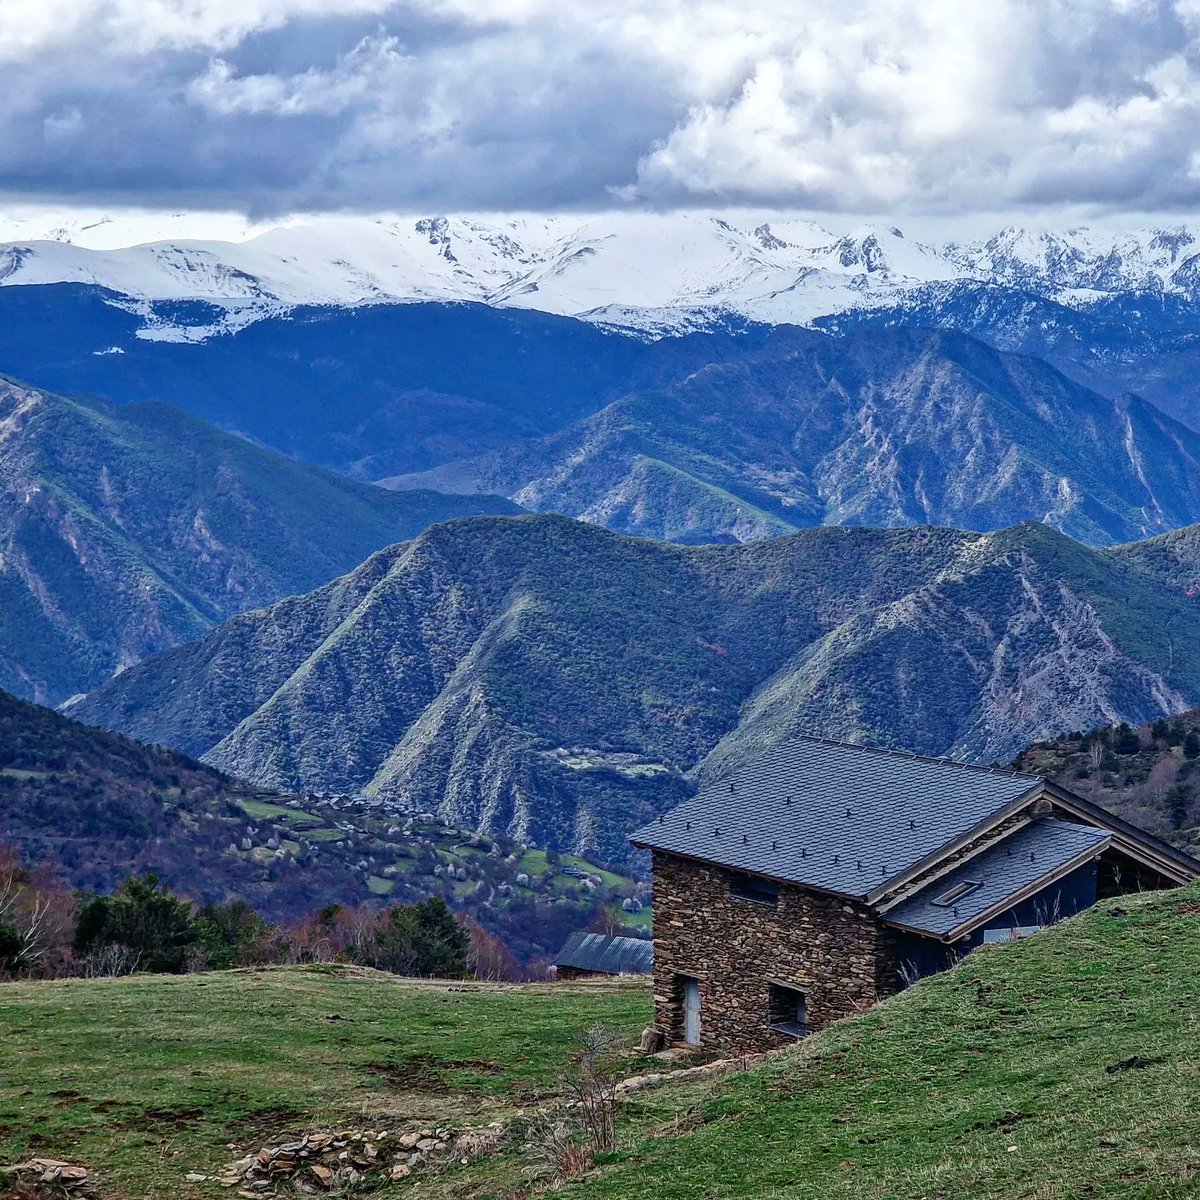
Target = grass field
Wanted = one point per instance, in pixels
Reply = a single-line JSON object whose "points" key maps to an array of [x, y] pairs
{"points": [[1063, 1066], [145, 1079]]}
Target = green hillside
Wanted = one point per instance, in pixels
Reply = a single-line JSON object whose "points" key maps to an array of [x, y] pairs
{"points": [[1066, 1065], [99, 807], [126, 530], [1063, 1066]]}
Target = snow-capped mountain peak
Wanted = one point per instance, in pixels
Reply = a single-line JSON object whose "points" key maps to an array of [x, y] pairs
{"points": [[651, 270]]}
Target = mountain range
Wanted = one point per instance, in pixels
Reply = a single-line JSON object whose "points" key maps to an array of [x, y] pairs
{"points": [[652, 271], [369, 391], [125, 530], [1114, 309], [880, 427], [549, 679]]}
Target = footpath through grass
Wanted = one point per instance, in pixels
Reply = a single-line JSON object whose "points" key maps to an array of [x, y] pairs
{"points": [[1066, 1065], [147, 1078]]}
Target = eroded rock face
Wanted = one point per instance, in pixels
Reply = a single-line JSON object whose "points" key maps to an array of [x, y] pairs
{"points": [[886, 427]]}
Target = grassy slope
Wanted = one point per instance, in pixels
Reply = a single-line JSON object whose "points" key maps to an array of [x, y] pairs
{"points": [[1063, 1066], [148, 1078], [1067, 1065]]}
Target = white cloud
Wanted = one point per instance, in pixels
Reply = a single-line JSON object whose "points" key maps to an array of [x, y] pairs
{"points": [[366, 75], [868, 105]]}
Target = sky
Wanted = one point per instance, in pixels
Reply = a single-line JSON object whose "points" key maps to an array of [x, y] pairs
{"points": [[936, 108]]}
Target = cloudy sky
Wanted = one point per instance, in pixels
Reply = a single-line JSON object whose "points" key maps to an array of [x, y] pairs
{"points": [[860, 106]]}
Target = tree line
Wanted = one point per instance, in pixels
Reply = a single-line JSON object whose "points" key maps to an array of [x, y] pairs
{"points": [[48, 931]]}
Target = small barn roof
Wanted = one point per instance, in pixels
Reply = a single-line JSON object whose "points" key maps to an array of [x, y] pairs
{"points": [[998, 878], [840, 818], [607, 955]]}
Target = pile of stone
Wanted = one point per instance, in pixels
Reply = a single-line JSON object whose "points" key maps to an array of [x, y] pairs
{"points": [[48, 1177], [326, 1162]]}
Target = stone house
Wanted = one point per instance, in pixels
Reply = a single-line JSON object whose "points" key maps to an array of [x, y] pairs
{"points": [[822, 877], [585, 955]]}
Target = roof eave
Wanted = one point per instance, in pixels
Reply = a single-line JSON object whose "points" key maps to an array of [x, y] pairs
{"points": [[1019, 896], [950, 848], [1153, 852]]}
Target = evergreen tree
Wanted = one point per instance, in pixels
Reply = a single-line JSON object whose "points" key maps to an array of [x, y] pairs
{"points": [[229, 933], [422, 939], [145, 917]]}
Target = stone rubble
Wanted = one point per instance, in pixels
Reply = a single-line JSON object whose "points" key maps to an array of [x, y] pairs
{"points": [[50, 1177], [320, 1163]]}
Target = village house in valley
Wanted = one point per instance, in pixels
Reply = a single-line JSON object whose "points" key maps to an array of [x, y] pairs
{"points": [[822, 877]]}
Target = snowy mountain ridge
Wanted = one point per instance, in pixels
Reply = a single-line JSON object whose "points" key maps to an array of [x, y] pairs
{"points": [[656, 273]]}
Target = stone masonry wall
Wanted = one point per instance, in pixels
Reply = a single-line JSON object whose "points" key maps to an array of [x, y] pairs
{"points": [[833, 950]]}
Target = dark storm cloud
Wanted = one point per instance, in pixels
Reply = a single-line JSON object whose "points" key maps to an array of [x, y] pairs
{"points": [[273, 105]]}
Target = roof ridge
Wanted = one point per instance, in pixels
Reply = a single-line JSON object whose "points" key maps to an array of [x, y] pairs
{"points": [[1010, 773]]}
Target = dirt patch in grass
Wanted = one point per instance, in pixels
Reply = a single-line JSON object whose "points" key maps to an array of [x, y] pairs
{"points": [[486, 1065], [417, 1073], [170, 1118]]}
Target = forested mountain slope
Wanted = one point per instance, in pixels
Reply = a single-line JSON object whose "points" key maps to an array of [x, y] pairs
{"points": [[546, 677], [886, 427], [127, 530], [96, 807]]}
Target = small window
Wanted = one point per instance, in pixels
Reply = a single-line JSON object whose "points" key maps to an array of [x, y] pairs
{"points": [[788, 1010], [955, 894], [750, 887]]}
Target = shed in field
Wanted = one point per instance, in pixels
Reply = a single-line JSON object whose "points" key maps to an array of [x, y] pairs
{"points": [[586, 954]]}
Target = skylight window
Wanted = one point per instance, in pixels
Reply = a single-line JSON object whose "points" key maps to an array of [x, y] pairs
{"points": [[956, 893]]}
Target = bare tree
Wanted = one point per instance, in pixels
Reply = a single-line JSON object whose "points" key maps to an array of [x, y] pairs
{"points": [[35, 908]]}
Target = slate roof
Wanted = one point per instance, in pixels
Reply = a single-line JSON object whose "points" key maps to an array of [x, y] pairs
{"points": [[841, 818], [1032, 853], [608, 955]]}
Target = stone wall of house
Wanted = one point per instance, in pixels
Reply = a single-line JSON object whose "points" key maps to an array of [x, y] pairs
{"points": [[833, 950]]}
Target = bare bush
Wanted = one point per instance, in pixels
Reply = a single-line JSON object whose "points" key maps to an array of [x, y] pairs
{"points": [[593, 1085], [554, 1143], [107, 962]]}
